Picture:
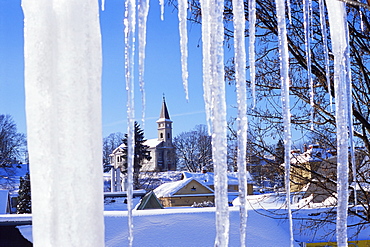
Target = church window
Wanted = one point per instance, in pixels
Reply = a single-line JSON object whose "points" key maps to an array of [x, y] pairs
{"points": [[168, 135], [161, 135]]}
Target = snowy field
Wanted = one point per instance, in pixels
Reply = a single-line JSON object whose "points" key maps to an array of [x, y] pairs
{"points": [[183, 226], [186, 227]]}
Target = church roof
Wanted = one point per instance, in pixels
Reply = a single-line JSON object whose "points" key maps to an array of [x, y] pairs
{"points": [[164, 112]]}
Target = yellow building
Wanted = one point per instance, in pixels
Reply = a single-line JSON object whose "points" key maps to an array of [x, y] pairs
{"points": [[184, 193]]}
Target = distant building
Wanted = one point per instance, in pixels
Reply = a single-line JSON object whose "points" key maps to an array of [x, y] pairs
{"points": [[184, 192], [161, 150], [312, 169]]}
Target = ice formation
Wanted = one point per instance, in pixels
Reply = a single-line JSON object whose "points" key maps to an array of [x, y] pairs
{"points": [[214, 85], [63, 66], [339, 37], [142, 16], [130, 22], [284, 75], [182, 14], [240, 78]]}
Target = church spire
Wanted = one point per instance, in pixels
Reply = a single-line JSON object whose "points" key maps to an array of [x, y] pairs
{"points": [[164, 112]]}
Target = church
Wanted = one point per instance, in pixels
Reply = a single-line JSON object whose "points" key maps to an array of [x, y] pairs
{"points": [[161, 150]]}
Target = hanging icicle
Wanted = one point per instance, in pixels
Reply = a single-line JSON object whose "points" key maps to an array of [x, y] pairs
{"points": [[182, 15], [240, 78], [326, 51], [307, 31], [161, 3], [102, 5], [284, 75], [339, 37], [206, 52], [143, 10], [63, 110], [130, 23], [214, 86], [252, 40]]}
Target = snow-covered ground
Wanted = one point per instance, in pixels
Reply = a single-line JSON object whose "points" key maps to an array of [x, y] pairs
{"points": [[185, 226]]}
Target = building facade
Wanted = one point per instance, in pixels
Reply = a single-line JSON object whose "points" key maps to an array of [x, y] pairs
{"points": [[162, 151]]}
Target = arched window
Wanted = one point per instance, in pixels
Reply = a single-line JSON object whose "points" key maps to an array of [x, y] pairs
{"points": [[161, 135], [168, 135]]}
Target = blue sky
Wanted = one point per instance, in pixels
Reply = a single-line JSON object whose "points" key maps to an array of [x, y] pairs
{"points": [[162, 70]]}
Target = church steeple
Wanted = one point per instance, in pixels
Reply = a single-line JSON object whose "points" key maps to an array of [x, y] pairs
{"points": [[164, 125], [164, 112]]}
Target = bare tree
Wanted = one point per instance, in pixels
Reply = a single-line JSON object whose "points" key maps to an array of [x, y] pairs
{"points": [[12, 149], [194, 149], [110, 143], [266, 118]]}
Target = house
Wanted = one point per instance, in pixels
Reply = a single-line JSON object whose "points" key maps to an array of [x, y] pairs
{"points": [[184, 192], [207, 178], [312, 169], [162, 151]]}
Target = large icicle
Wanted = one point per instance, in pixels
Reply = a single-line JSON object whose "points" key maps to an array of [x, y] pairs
{"points": [[182, 14], [63, 65], [252, 40], [240, 78], [340, 46], [284, 75], [213, 68], [130, 22], [143, 10], [326, 51]]}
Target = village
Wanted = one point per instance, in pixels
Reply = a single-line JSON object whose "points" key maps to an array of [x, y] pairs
{"points": [[163, 188]]}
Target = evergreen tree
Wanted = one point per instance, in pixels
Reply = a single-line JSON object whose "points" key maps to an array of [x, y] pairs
{"points": [[24, 195], [141, 153]]}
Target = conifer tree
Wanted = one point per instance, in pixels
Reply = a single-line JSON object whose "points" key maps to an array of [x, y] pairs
{"points": [[24, 195], [141, 153]]}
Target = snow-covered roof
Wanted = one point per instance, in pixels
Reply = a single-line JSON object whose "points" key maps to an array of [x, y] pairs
{"points": [[152, 142], [208, 177], [169, 189], [313, 154]]}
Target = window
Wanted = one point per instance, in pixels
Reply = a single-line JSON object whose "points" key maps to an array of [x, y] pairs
{"points": [[168, 135], [161, 135]]}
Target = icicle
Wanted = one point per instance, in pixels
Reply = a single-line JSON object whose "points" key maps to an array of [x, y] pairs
{"points": [[284, 75], [340, 46], [213, 68], [161, 3], [307, 27], [252, 39], [206, 52], [362, 21], [143, 9], [182, 14], [289, 12], [326, 51], [63, 110], [130, 22], [240, 77], [102, 5]]}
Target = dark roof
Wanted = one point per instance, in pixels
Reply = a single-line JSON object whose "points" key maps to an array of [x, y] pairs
{"points": [[149, 201], [164, 112]]}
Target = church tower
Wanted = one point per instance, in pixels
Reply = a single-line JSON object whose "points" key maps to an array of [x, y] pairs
{"points": [[165, 151], [165, 125]]}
